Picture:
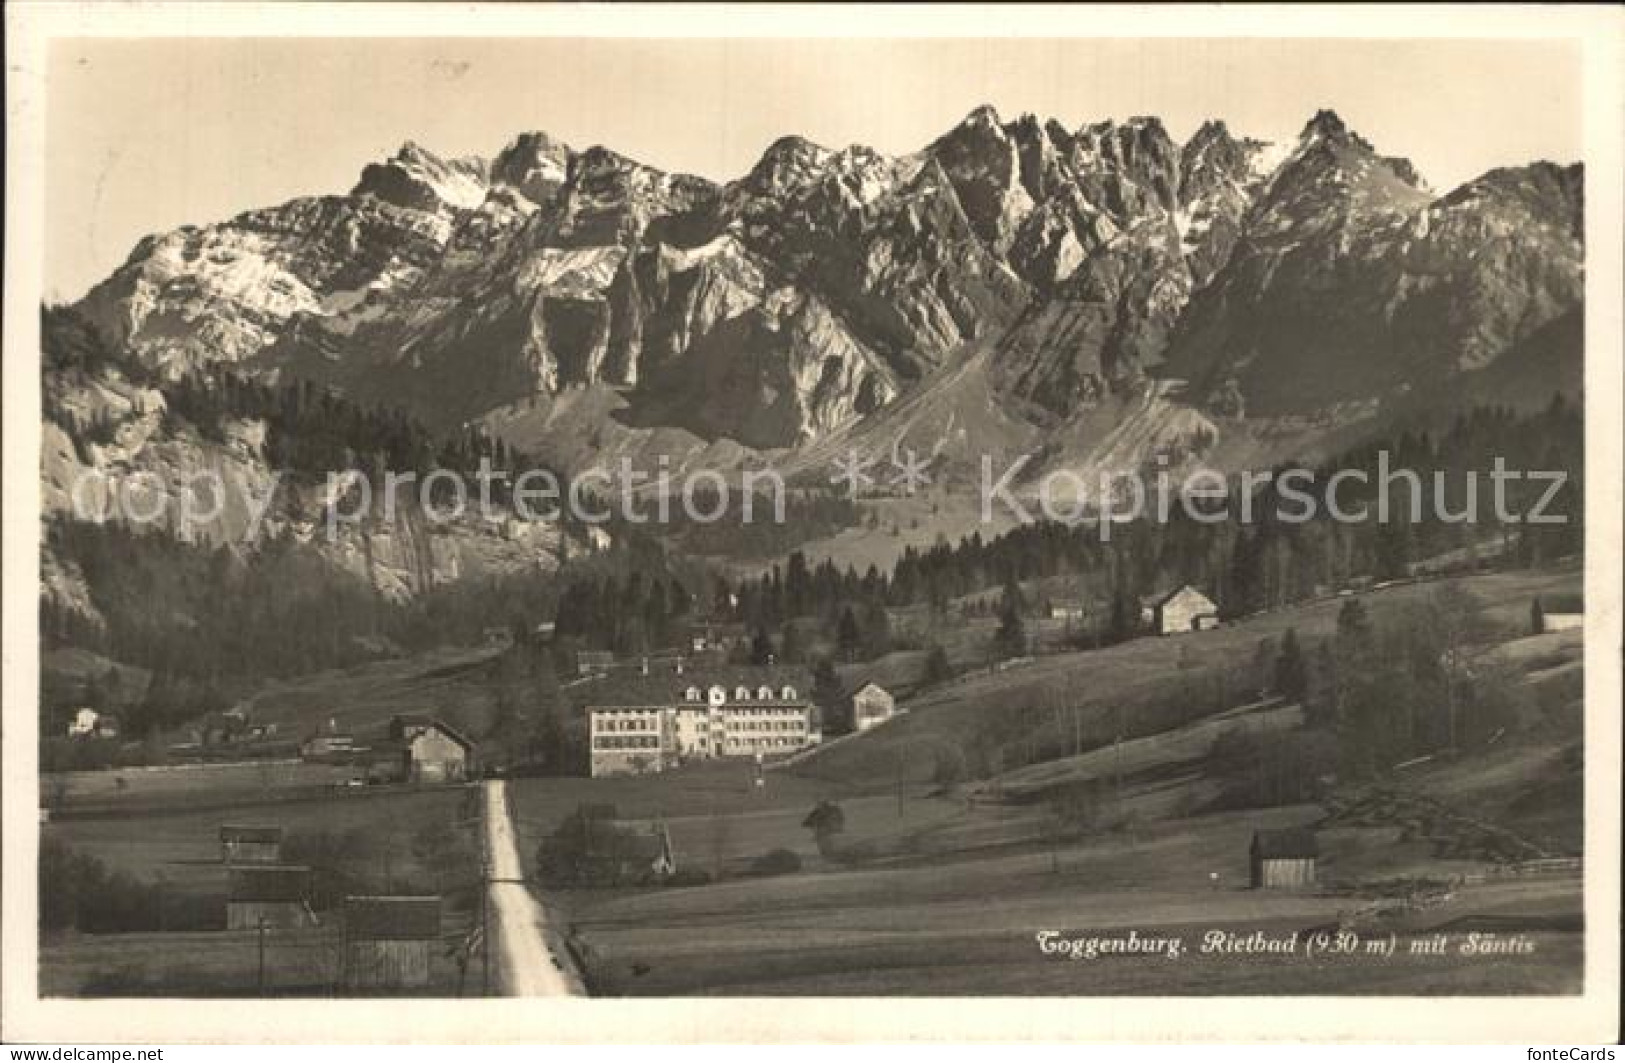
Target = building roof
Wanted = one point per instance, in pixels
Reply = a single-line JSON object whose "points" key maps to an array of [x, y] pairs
{"points": [[1293, 843], [663, 688], [330, 737], [250, 834], [398, 724], [1563, 603], [1156, 601], [270, 883], [859, 685], [392, 918]]}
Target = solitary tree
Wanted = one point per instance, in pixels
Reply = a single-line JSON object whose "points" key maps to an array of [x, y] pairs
{"points": [[761, 647], [827, 694], [1011, 637], [847, 635], [826, 820], [1291, 671]]}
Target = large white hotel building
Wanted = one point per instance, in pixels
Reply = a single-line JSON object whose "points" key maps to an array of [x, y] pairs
{"points": [[651, 721]]}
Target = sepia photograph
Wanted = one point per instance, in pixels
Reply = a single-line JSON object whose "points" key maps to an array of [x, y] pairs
{"points": [[1021, 526]]}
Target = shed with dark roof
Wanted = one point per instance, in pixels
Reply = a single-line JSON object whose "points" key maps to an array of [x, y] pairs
{"points": [[1284, 859], [389, 942], [275, 896], [1561, 612]]}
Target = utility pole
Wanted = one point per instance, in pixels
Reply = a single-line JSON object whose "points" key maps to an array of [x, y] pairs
{"points": [[260, 981], [1117, 754], [899, 783]]}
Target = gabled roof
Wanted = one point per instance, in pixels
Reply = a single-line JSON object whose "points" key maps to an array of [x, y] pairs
{"points": [[1563, 603], [398, 724], [392, 918], [1293, 843], [250, 834], [1157, 601], [666, 687], [859, 685], [270, 883]]}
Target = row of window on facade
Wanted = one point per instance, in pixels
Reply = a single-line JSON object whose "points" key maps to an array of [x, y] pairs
{"points": [[626, 742], [742, 693], [609, 742], [626, 723], [606, 720], [767, 725]]}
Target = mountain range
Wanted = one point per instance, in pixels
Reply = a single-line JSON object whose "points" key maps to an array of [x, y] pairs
{"points": [[1096, 295]]}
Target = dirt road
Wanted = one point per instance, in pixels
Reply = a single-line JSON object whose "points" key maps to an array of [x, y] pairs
{"points": [[531, 961]]}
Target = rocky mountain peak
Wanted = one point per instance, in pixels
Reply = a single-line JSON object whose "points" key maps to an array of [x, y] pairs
{"points": [[418, 179], [535, 164], [789, 162], [823, 284], [1326, 125], [1212, 131], [984, 117]]}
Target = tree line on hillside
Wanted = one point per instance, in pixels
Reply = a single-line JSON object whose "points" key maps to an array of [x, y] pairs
{"points": [[1387, 686], [209, 623], [1270, 562]]}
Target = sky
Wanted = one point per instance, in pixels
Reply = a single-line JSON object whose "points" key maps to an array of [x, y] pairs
{"points": [[145, 135]]}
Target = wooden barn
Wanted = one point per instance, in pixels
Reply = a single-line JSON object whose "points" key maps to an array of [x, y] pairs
{"points": [[1563, 612], [390, 942], [1183, 609], [873, 704], [275, 896], [431, 751], [250, 845], [1284, 859]]}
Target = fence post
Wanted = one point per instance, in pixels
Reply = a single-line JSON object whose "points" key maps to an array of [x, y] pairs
{"points": [[261, 978]]}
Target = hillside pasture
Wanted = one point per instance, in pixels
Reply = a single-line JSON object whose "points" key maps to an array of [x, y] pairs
{"points": [[1142, 687]]}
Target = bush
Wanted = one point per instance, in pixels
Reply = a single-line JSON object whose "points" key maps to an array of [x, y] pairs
{"points": [[81, 892], [776, 862], [689, 876]]}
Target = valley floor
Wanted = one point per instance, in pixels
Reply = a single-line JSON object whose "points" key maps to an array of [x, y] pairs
{"points": [[934, 889]]}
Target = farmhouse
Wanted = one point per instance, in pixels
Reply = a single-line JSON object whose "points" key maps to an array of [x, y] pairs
{"points": [[275, 896], [1068, 611], [1183, 609], [651, 722], [250, 845], [1562, 613], [88, 722], [430, 751], [329, 745], [389, 942], [593, 846], [628, 850], [1283, 859], [872, 705]]}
